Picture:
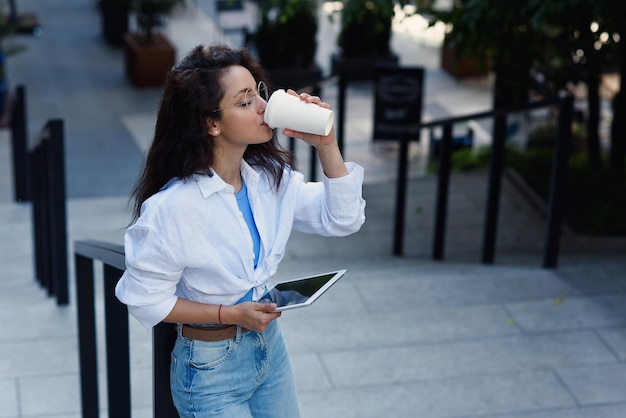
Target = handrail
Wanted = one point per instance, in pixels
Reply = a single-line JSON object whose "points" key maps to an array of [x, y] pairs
{"points": [[108, 253], [493, 112], [112, 257], [555, 214]]}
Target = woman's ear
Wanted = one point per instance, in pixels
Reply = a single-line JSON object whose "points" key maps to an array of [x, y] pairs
{"points": [[213, 127]]}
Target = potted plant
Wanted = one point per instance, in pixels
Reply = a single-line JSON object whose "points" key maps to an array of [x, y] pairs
{"points": [[149, 54], [286, 42], [364, 37]]}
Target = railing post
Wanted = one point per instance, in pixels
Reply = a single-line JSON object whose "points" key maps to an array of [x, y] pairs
{"points": [[292, 144], [87, 336], [441, 208], [163, 339], [313, 150], [493, 192], [57, 209], [557, 186], [19, 142], [401, 186], [341, 110], [117, 346], [37, 192]]}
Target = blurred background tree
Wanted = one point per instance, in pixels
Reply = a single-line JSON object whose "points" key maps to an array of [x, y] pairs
{"points": [[561, 41]]}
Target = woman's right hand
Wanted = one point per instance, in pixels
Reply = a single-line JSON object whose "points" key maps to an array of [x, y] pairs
{"points": [[255, 316]]}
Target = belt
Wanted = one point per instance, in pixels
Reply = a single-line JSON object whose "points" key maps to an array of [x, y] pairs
{"points": [[211, 334]]}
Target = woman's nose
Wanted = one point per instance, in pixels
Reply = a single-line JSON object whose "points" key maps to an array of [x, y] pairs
{"points": [[261, 104]]}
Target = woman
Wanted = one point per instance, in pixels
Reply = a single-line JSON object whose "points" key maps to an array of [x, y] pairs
{"points": [[213, 211]]}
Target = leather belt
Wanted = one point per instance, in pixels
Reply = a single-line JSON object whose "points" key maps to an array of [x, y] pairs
{"points": [[211, 334]]}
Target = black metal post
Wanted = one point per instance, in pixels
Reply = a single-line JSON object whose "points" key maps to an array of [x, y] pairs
{"points": [[292, 144], [35, 178], [557, 187], [43, 178], [441, 208], [493, 191], [19, 142], [117, 346], [341, 110], [312, 150], [87, 336], [57, 210], [401, 186], [163, 339], [312, 163]]}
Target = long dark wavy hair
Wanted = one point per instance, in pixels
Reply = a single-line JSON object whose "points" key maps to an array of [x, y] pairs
{"points": [[182, 145]]}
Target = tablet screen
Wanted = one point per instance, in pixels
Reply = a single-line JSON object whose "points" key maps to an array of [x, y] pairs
{"points": [[301, 292]]}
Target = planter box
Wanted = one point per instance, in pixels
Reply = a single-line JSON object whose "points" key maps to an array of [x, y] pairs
{"points": [[360, 68], [147, 63]]}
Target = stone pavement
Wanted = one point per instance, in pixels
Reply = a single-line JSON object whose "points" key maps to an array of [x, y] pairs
{"points": [[398, 336]]}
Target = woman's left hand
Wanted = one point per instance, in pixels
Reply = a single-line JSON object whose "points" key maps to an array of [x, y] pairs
{"points": [[311, 139]]}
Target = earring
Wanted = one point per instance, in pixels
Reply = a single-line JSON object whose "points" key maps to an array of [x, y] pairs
{"points": [[216, 132]]}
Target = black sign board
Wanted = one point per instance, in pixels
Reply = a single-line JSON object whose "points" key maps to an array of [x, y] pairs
{"points": [[398, 102]]}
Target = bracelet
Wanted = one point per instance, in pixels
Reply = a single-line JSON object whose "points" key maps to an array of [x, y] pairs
{"points": [[219, 314]]}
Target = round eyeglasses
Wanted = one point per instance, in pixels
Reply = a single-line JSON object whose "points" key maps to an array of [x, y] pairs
{"points": [[250, 96]]}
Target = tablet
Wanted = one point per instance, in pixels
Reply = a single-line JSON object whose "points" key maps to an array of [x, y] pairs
{"points": [[298, 293]]}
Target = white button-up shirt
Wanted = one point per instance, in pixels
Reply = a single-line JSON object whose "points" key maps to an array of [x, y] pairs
{"points": [[191, 240]]}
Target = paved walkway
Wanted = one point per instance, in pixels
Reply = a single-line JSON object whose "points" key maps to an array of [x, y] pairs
{"points": [[398, 336]]}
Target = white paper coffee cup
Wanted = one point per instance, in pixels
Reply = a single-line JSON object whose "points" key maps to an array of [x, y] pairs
{"points": [[287, 111]]}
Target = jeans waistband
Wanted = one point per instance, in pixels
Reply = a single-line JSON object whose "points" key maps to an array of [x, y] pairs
{"points": [[210, 334]]}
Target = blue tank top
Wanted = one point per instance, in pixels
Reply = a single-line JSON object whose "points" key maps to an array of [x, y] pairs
{"points": [[244, 206]]}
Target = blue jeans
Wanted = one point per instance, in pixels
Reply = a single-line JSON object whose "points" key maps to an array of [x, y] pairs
{"points": [[246, 376]]}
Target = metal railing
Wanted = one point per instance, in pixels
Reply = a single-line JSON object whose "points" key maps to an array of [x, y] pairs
{"points": [[111, 257], [557, 188], [559, 174], [39, 177], [46, 168]]}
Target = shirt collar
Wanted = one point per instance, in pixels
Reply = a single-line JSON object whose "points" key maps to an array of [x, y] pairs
{"points": [[213, 184]]}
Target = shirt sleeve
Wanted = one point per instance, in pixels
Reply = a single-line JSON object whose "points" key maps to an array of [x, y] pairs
{"points": [[333, 207], [148, 285]]}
